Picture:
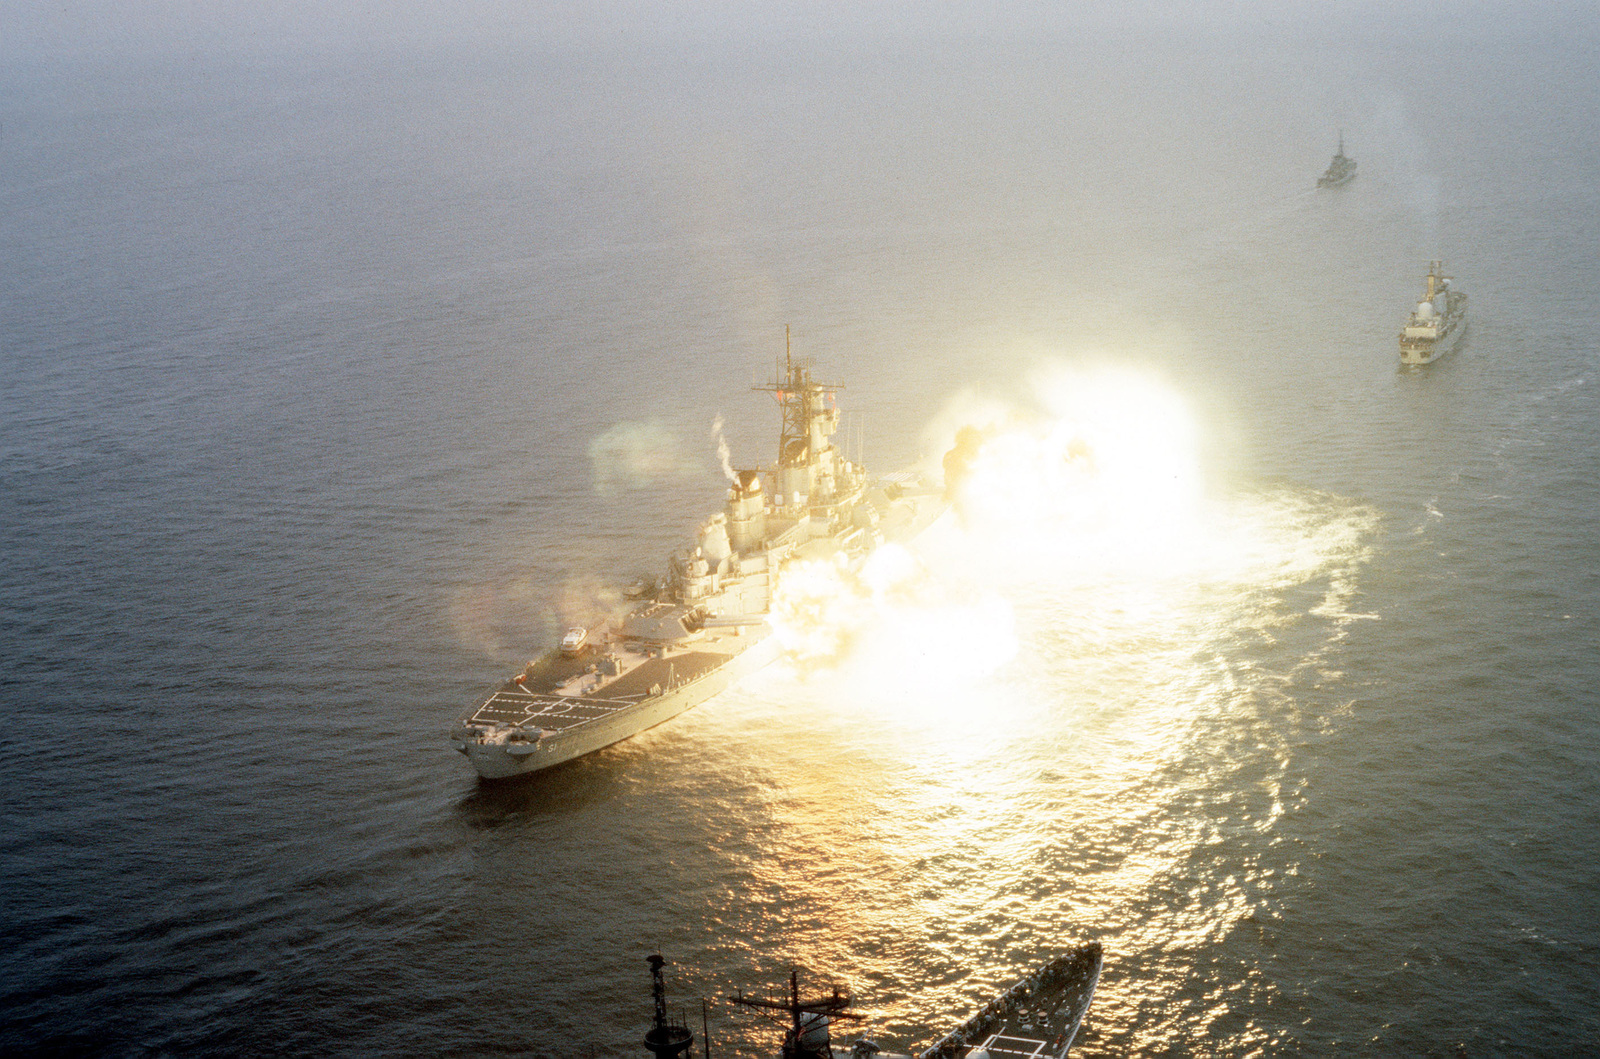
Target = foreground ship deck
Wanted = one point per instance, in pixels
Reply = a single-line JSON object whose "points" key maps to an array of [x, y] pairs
{"points": [[1038, 1017]]}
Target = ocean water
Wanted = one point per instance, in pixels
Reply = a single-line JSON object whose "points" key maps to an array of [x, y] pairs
{"points": [[334, 386]]}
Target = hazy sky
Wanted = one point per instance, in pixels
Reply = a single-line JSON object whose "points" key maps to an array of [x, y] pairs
{"points": [[52, 29]]}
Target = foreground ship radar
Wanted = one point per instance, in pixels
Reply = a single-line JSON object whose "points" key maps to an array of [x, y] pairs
{"points": [[1340, 171], [705, 625], [1435, 326], [807, 1020]]}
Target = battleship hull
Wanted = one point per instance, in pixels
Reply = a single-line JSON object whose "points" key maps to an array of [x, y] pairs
{"points": [[619, 720]]}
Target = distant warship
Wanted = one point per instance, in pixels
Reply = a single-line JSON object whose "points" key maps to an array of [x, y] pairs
{"points": [[1437, 323], [1340, 171], [706, 624]]}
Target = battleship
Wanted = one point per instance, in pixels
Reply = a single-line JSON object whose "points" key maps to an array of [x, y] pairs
{"points": [[1340, 171], [1036, 1018], [1437, 323], [706, 623]]}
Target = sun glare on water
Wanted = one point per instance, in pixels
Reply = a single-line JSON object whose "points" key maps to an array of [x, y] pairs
{"points": [[1098, 476], [1094, 667], [1091, 491]]}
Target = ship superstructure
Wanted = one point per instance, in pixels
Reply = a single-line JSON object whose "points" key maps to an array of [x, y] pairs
{"points": [[706, 623], [1437, 323], [1340, 171]]}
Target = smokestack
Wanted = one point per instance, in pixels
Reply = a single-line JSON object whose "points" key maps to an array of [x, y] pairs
{"points": [[747, 512]]}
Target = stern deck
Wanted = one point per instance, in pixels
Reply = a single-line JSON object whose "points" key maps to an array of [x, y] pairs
{"points": [[515, 705]]}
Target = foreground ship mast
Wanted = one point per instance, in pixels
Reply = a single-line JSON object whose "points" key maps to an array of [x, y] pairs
{"points": [[809, 1019], [665, 1038], [808, 466]]}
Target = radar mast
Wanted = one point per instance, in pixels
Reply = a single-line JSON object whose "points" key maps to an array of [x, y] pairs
{"points": [[806, 459], [808, 1018]]}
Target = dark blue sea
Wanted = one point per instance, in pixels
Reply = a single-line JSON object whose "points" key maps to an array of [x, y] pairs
{"points": [[335, 382]]}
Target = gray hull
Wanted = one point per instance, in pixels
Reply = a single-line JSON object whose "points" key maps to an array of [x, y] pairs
{"points": [[1427, 354], [497, 761], [1039, 1017]]}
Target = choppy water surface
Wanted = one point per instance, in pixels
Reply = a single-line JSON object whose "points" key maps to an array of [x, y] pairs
{"points": [[331, 393]]}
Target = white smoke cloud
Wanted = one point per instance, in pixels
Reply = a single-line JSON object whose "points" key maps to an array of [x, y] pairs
{"points": [[636, 454], [724, 456]]}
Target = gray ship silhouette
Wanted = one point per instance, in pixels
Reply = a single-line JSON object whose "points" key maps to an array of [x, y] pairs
{"points": [[1340, 171]]}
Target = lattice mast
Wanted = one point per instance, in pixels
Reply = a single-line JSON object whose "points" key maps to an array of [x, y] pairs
{"points": [[666, 1039], [808, 463], [806, 1037]]}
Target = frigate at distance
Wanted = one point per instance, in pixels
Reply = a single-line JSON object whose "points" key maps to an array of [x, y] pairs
{"points": [[1340, 171], [1438, 321], [707, 622]]}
